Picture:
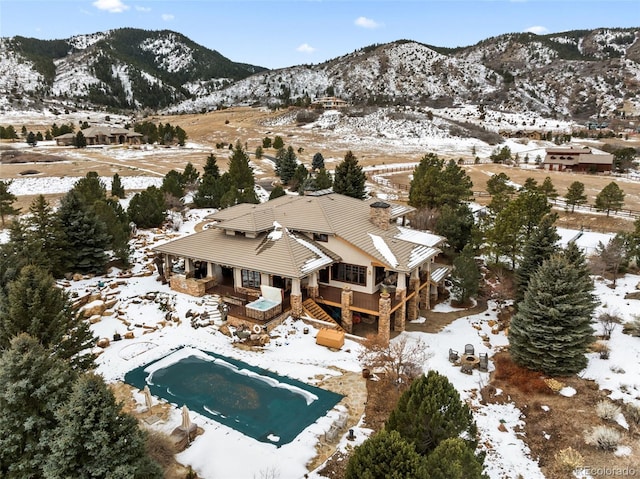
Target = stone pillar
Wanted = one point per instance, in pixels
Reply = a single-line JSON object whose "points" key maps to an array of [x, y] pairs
{"points": [[412, 304], [168, 267], [384, 320], [401, 312], [312, 288], [347, 317], [296, 298]]}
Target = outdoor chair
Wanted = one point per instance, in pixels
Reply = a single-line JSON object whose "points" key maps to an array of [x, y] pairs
{"points": [[466, 368], [483, 365], [453, 355], [469, 350]]}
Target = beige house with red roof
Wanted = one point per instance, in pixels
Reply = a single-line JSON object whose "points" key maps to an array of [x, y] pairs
{"points": [[329, 256]]}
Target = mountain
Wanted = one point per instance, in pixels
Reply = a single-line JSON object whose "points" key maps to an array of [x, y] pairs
{"points": [[573, 75], [124, 68]]}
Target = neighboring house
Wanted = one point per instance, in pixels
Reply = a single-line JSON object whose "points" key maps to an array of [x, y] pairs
{"points": [[577, 159], [102, 135], [331, 256], [331, 102]]}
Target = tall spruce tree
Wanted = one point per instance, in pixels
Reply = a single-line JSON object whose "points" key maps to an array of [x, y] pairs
{"points": [[436, 183], [36, 306], [6, 201], [466, 276], [240, 179], [385, 455], [85, 235], [456, 224], [94, 438], [116, 221], [317, 163], [552, 331], [116, 186], [91, 188], [349, 179], [287, 166], [431, 411], [32, 386], [542, 243]]}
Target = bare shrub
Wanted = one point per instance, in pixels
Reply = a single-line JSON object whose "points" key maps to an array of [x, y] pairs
{"points": [[633, 327], [401, 360], [602, 349], [632, 413], [607, 410], [603, 437], [161, 448], [524, 379], [569, 459], [608, 323]]}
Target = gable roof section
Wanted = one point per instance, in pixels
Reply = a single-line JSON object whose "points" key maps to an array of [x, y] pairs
{"points": [[279, 252], [329, 213]]}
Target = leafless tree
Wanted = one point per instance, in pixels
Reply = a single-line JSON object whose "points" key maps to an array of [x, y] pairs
{"points": [[608, 322]]}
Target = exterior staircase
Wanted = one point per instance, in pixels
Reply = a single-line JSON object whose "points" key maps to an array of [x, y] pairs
{"points": [[314, 310]]}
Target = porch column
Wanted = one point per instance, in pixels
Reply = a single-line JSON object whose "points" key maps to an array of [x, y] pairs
{"points": [[401, 294], [425, 299], [237, 278], [384, 320], [210, 272], [296, 298], [265, 279], [412, 304], [312, 288], [167, 266], [188, 266], [346, 301]]}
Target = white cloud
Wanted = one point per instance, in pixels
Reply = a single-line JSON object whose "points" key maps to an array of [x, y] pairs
{"points": [[537, 29], [111, 6], [365, 22], [143, 9], [167, 17], [306, 48]]}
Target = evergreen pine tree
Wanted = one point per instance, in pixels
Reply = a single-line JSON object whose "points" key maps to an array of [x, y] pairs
{"points": [[6, 201], [173, 185], [532, 205], [453, 459], [575, 195], [85, 235], [80, 141], [349, 179], [32, 386], [318, 162], [385, 455], [548, 189], [91, 188], [47, 246], [116, 186], [466, 276], [323, 180], [435, 183], [31, 139], [552, 329], [190, 177], [431, 411], [116, 221], [96, 439], [299, 180], [456, 224], [277, 192], [240, 178], [540, 246], [610, 198], [147, 208], [278, 143], [34, 305], [504, 236], [287, 165], [211, 167]]}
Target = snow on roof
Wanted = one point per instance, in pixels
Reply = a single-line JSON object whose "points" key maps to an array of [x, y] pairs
{"points": [[315, 263], [418, 237], [439, 273], [381, 245], [420, 254]]}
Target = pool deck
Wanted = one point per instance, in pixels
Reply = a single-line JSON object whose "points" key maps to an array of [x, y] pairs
{"points": [[354, 389]]}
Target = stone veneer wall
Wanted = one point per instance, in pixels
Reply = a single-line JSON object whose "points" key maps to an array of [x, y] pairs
{"points": [[191, 286], [347, 315]]}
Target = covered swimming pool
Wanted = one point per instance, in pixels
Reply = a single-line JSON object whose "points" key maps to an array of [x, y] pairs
{"points": [[256, 402]]}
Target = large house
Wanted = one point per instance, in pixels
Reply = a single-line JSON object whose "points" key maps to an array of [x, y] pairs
{"points": [[577, 159], [329, 256], [102, 135]]}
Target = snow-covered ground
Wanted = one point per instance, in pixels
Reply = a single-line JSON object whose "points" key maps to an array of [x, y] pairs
{"points": [[223, 452]]}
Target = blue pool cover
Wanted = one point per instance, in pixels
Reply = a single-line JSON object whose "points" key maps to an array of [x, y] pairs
{"points": [[256, 402]]}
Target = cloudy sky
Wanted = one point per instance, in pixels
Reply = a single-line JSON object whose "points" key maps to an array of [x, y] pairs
{"points": [[281, 33]]}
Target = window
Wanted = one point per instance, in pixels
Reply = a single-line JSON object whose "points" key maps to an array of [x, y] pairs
{"points": [[320, 237], [349, 273], [250, 279]]}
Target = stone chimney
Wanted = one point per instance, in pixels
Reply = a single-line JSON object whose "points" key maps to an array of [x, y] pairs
{"points": [[380, 214]]}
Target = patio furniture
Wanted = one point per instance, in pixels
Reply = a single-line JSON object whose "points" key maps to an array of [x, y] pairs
{"points": [[468, 362], [483, 364], [469, 350], [453, 355]]}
